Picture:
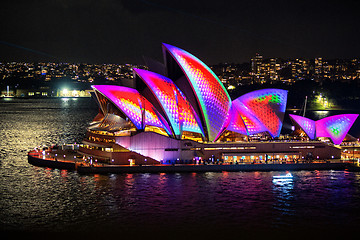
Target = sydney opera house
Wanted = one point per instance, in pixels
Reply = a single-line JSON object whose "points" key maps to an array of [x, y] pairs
{"points": [[180, 112]]}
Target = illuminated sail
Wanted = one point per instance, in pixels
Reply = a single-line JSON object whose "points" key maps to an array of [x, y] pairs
{"points": [[178, 110], [335, 127], [267, 106], [213, 101], [129, 101], [306, 124]]}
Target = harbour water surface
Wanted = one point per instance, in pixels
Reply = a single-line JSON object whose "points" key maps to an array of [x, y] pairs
{"points": [[39, 200]]}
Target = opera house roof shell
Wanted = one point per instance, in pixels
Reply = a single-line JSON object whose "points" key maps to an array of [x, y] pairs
{"points": [[334, 127], [186, 96], [191, 98]]}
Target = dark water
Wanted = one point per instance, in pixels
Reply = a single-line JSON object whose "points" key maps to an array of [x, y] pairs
{"points": [[40, 201]]}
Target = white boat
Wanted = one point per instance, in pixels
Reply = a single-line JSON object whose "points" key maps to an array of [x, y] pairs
{"points": [[288, 176]]}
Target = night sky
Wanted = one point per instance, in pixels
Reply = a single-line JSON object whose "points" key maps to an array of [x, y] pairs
{"points": [[114, 31]]}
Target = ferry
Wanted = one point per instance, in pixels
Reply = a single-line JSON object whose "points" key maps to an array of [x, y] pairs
{"points": [[285, 177]]}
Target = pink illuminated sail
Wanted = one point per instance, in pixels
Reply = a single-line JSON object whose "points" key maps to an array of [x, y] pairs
{"points": [[129, 101], [306, 124], [335, 127], [236, 122], [252, 124], [267, 106], [213, 101], [178, 110]]}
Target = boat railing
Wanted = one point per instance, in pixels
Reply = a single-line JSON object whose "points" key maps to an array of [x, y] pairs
{"points": [[74, 146]]}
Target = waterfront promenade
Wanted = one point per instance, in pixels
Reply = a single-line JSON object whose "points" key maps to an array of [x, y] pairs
{"points": [[69, 161]]}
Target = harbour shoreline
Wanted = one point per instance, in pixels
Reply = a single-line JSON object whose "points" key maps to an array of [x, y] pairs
{"points": [[74, 165]]}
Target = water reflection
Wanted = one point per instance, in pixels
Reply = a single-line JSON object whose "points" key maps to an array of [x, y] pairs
{"points": [[321, 114], [53, 200], [283, 191], [8, 99]]}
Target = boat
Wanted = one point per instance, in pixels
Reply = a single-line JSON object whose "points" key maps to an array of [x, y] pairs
{"points": [[287, 176]]}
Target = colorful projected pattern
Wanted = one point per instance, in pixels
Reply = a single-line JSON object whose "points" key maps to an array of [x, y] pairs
{"points": [[252, 124], [211, 95], [268, 106], [153, 117], [178, 110], [188, 118], [335, 127], [131, 103], [306, 124], [236, 122], [164, 90]]}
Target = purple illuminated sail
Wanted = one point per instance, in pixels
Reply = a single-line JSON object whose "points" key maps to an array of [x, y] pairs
{"points": [[178, 110], [306, 124], [335, 127]]}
